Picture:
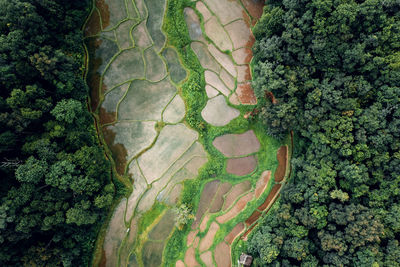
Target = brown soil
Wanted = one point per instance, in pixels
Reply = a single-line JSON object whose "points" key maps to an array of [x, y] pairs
{"points": [[208, 239], [270, 96], [235, 193], [234, 233], [254, 7], [239, 206], [219, 197], [247, 19], [104, 12], [241, 166], [93, 77], [107, 117], [207, 256], [244, 237], [190, 237], [190, 258], [251, 41], [119, 152], [253, 217], [244, 74], [233, 145], [222, 254], [246, 94], [262, 183], [271, 196], [93, 25], [93, 81], [103, 261], [206, 196], [280, 171]]}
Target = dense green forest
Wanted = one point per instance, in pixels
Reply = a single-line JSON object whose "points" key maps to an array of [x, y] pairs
{"points": [[55, 181], [334, 70]]}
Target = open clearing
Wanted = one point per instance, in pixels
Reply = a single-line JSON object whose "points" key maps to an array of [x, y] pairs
{"points": [[220, 165]]}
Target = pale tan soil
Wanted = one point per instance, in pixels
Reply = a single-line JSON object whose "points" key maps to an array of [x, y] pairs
{"points": [[190, 259], [217, 34], [208, 239], [226, 10], [203, 10], [204, 222], [190, 237], [175, 110], [244, 74], [180, 264], [206, 257], [235, 145], [236, 209], [211, 91], [222, 254], [240, 34], [236, 191], [242, 55], [218, 113], [215, 81], [262, 183], [206, 59]]}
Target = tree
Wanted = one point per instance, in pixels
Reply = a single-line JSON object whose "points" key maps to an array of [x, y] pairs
{"points": [[183, 215], [53, 173], [332, 69]]}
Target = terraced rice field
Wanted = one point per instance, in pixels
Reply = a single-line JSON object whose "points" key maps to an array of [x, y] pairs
{"points": [[137, 78]]}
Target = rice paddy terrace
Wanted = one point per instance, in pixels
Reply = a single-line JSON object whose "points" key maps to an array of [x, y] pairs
{"points": [[171, 93]]}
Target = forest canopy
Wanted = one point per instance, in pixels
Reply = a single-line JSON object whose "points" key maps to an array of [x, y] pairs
{"points": [[334, 70], [55, 181]]}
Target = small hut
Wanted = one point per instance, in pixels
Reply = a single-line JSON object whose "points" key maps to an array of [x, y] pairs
{"points": [[245, 260]]}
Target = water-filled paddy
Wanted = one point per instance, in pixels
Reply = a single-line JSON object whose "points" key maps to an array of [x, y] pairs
{"points": [[137, 78]]}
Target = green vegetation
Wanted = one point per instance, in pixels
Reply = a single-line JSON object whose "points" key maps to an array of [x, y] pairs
{"points": [[332, 67], [55, 185], [195, 99], [149, 217]]}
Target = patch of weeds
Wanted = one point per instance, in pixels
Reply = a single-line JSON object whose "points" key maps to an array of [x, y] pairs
{"points": [[176, 246], [190, 188], [159, 125], [149, 216]]}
